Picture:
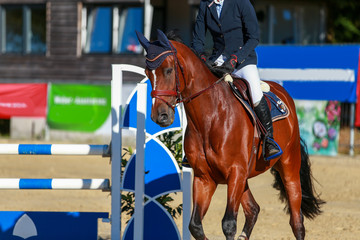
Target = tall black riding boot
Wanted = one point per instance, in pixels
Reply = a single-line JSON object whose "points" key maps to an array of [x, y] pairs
{"points": [[272, 149]]}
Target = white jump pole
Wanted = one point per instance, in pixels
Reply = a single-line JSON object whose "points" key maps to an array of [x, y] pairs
{"points": [[186, 185], [186, 189], [116, 146], [53, 149], [140, 159], [54, 184]]}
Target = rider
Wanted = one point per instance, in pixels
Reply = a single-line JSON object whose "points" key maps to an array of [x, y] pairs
{"points": [[235, 32]]}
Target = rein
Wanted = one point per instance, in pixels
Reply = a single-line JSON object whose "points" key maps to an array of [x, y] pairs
{"points": [[176, 93], [187, 99]]}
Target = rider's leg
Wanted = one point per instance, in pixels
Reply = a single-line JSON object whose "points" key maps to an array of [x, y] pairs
{"points": [[251, 74], [272, 150]]}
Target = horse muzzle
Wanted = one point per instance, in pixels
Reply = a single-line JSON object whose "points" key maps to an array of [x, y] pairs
{"points": [[162, 116], [163, 112]]}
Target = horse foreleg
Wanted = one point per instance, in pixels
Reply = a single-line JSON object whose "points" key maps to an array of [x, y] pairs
{"points": [[251, 210], [236, 188], [203, 190]]}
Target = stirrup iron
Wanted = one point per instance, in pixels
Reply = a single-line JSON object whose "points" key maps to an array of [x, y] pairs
{"points": [[272, 142]]}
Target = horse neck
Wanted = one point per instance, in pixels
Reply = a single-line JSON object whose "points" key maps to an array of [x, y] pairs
{"points": [[195, 74], [192, 68], [197, 78]]}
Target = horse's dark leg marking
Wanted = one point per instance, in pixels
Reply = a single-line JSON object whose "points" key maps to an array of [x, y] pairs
{"points": [[202, 193], [236, 185], [229, 224], [251, 210]]}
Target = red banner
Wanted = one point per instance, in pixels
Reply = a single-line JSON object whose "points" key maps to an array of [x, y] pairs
{"points": [[23, 100]]}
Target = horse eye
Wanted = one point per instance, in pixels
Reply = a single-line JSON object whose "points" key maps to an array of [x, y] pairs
{"points": [[168, 71]]}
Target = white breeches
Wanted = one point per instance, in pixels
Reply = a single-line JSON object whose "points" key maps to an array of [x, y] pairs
{"points": [[251, 74]]}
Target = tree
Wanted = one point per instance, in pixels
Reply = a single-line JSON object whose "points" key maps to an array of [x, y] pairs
{"points": [[343, 21]]}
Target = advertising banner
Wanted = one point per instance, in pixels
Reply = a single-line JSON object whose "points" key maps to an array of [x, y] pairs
{"points": [[17, 225], [321, 73], [22, 100], [75, 107], [312, 72], [319, 123]]}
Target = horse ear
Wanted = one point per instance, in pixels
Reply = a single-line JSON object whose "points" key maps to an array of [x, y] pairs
{"points": [[162, 38], [143, 41]]}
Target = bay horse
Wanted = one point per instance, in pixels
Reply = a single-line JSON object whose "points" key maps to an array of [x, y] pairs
{"points": [[219, 140]]}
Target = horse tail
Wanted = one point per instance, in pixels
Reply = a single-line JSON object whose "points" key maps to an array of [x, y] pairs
{"points": [[311, 201]]}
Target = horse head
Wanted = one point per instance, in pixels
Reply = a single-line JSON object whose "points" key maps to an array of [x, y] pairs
{"points": [[162, 70]]}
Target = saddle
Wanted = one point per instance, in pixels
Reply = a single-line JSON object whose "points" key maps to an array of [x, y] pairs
{"points": [[242, 91]]}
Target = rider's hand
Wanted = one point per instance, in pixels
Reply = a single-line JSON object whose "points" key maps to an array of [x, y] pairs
{"points": [[231, 63], [208, 62], [227, 67], [203, 57]]}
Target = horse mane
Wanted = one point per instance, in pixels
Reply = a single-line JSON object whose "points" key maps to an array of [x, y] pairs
{"points": [[174, 35]]}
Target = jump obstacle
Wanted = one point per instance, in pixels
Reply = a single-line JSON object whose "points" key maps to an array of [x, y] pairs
{"points": [[104, 150], [57, 229], [54, 149], [55, 183]]}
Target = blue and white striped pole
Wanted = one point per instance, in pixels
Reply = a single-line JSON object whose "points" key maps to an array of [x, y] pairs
{"points": [[55, 183], [53, 149]]}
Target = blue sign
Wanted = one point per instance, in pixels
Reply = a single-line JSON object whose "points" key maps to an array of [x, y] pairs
{"points": [[151, 127], [312, 72], [49, 225], [162, 174], [157, 225]]}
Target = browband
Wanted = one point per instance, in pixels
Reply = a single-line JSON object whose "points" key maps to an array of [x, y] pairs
{"points": [[155, 58]]}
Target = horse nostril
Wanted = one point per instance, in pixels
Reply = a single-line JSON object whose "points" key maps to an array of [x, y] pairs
{"points": [[163, 117]]}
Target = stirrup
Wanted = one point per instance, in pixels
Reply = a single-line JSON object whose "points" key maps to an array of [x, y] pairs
{"points": [[278, 147]]}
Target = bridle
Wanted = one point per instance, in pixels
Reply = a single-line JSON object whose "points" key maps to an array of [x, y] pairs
{"points": [[170, 93], [159, 94]]}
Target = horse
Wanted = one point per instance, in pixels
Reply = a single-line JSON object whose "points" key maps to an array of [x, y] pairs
{"points": [[219, 140]]}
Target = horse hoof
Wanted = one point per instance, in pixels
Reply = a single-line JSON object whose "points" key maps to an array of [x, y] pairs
{"points": [[243, 236]]}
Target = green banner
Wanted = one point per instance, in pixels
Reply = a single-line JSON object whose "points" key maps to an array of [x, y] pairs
{"points": [[319, 123], [74, 107]]}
